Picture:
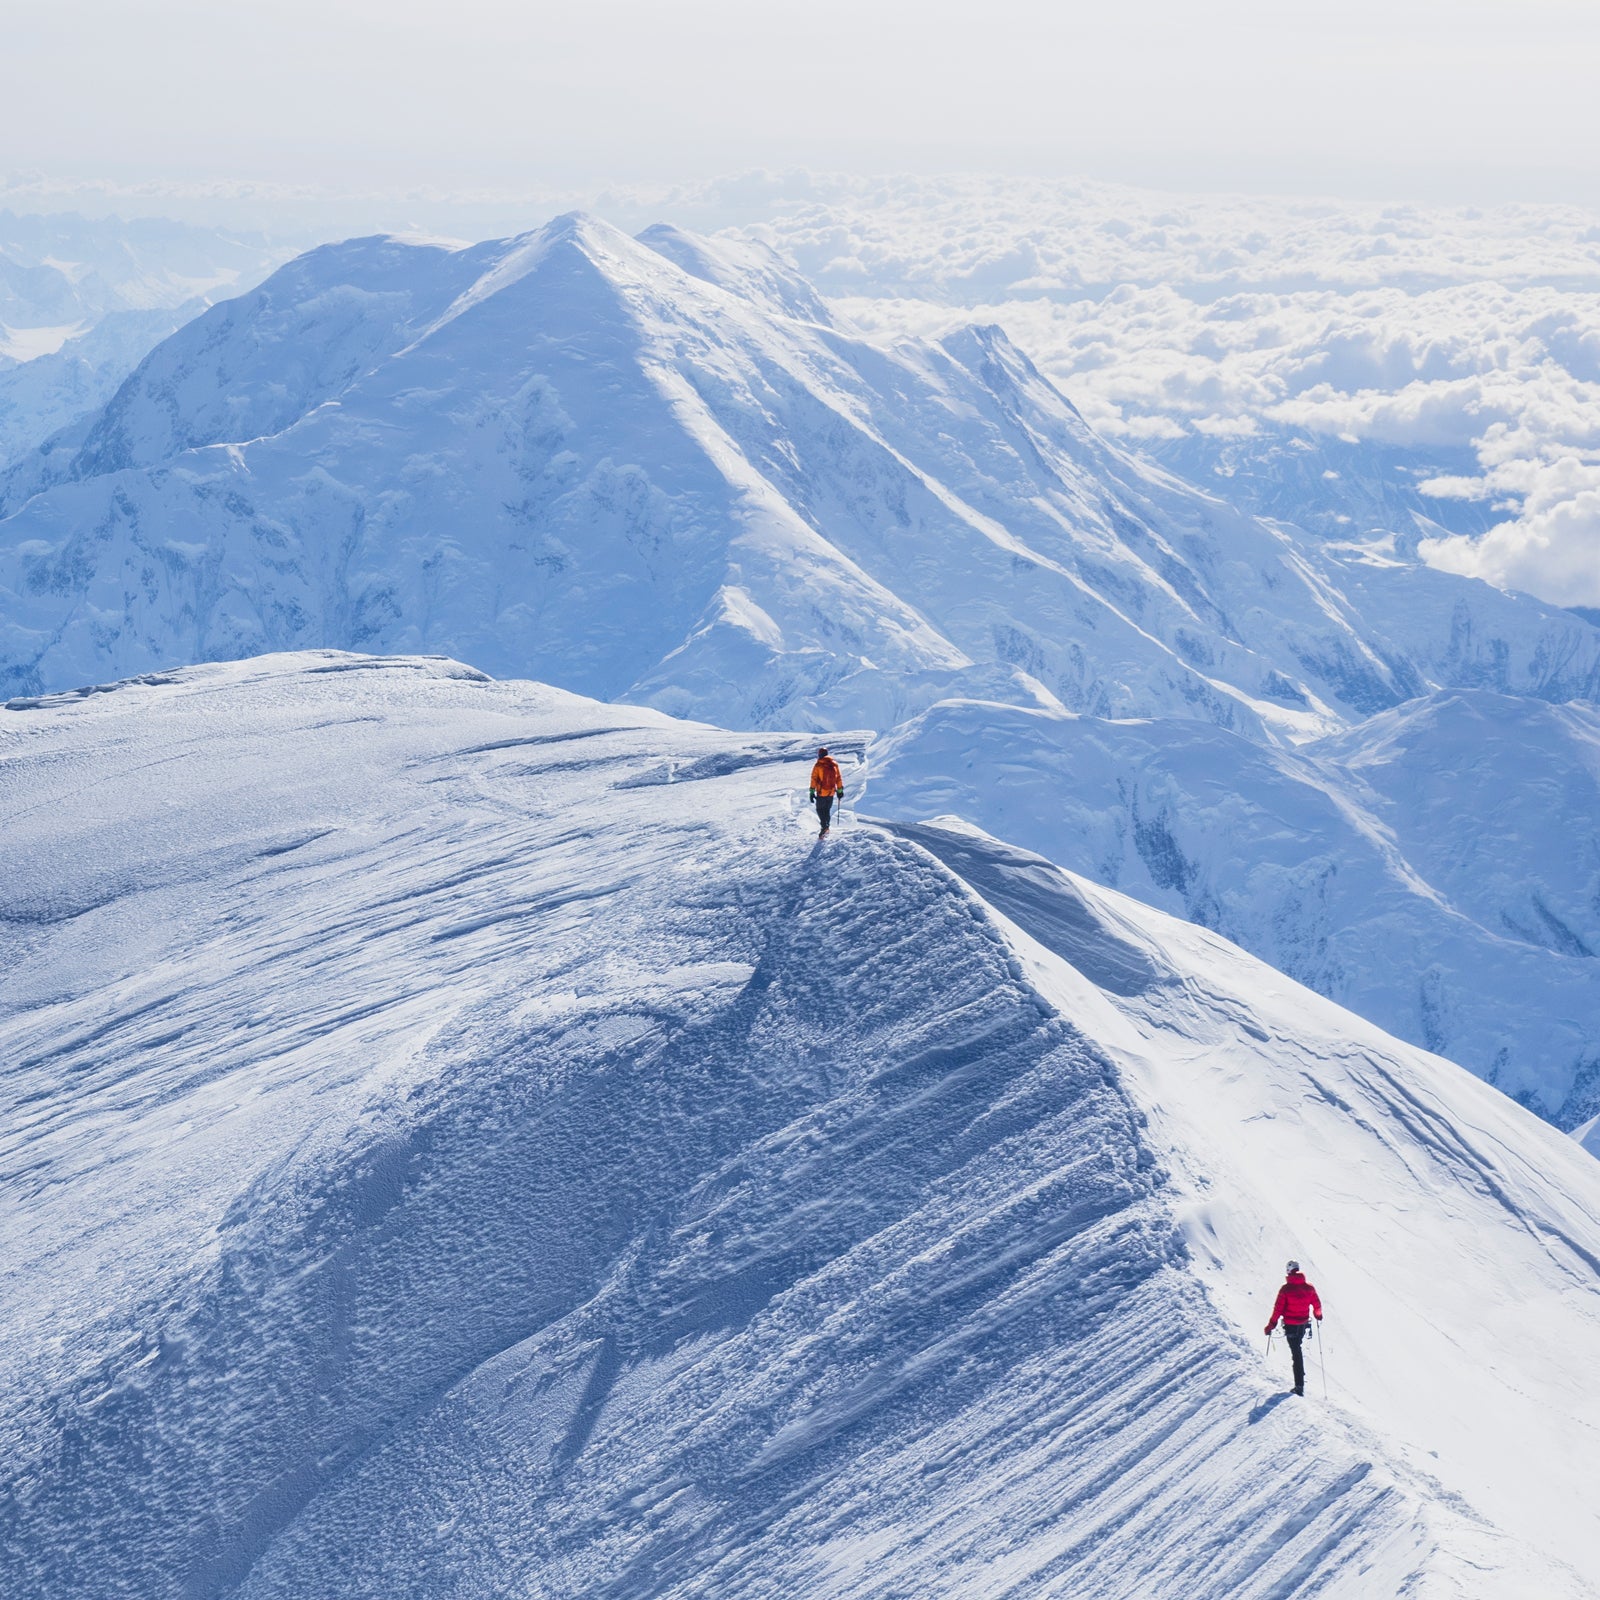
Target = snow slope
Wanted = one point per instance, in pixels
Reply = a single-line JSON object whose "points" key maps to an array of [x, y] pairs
{"points": [[1436, 868], [462, 1140]]}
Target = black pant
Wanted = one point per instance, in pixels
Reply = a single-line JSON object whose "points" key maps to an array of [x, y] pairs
{"points": [[1294, 1332], [825, 809]]}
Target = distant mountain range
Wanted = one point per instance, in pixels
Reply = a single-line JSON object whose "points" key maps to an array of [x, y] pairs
{"points": [[60, 271], [657, 470], [83, 300]]}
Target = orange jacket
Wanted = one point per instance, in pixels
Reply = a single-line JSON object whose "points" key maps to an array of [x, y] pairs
{"points": [[825, 777]]}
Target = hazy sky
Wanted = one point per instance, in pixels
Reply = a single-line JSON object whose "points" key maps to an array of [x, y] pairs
{"points": [[1428, 99]]}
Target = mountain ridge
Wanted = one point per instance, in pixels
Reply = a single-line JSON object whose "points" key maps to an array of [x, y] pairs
{"points": [[667, 475], [634, 1196]]}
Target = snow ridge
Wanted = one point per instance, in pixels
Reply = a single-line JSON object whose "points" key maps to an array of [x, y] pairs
{"points": [[462, 1138]]}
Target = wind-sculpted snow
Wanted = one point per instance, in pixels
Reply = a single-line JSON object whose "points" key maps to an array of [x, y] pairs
{"points": [[465, 1140], [1417, 1198]]}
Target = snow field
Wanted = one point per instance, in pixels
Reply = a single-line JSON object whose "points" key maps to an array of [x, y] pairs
{"points": [[465, 1140]]}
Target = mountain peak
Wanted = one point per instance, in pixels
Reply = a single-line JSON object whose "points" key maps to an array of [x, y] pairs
{"points": [[507, 262], [744, 267]]}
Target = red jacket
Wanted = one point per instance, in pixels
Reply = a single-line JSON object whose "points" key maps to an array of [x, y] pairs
{"points": [[1297, 1302]]}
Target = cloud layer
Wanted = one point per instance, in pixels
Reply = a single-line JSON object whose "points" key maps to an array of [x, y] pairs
{"points": [[1455, 351]]}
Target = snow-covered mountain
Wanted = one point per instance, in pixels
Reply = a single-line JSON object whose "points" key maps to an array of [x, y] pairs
{"points": [[657, 471], [83, 301], [646, 469], [463, 1139]]}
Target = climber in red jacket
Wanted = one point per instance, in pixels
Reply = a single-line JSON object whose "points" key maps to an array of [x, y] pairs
{"points": [[1296, 1304]]}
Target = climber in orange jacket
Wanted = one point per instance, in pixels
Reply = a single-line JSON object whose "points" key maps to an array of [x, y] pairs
{"points": [[827, 785]]}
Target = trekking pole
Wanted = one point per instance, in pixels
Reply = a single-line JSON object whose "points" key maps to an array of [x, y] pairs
{"points": [[1322, 1362]]}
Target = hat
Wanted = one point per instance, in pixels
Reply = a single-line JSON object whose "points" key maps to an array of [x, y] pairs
{"points": [[822, 750], [1292, 1266]]}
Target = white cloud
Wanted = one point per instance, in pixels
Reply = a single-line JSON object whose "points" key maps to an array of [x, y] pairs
{"points": [[1216, 427], [1554, 552], [1412, 329], [1452, 413]]}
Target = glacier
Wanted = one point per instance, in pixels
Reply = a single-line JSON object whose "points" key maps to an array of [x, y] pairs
{"points": [[660, 471], [462, 1138]]}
